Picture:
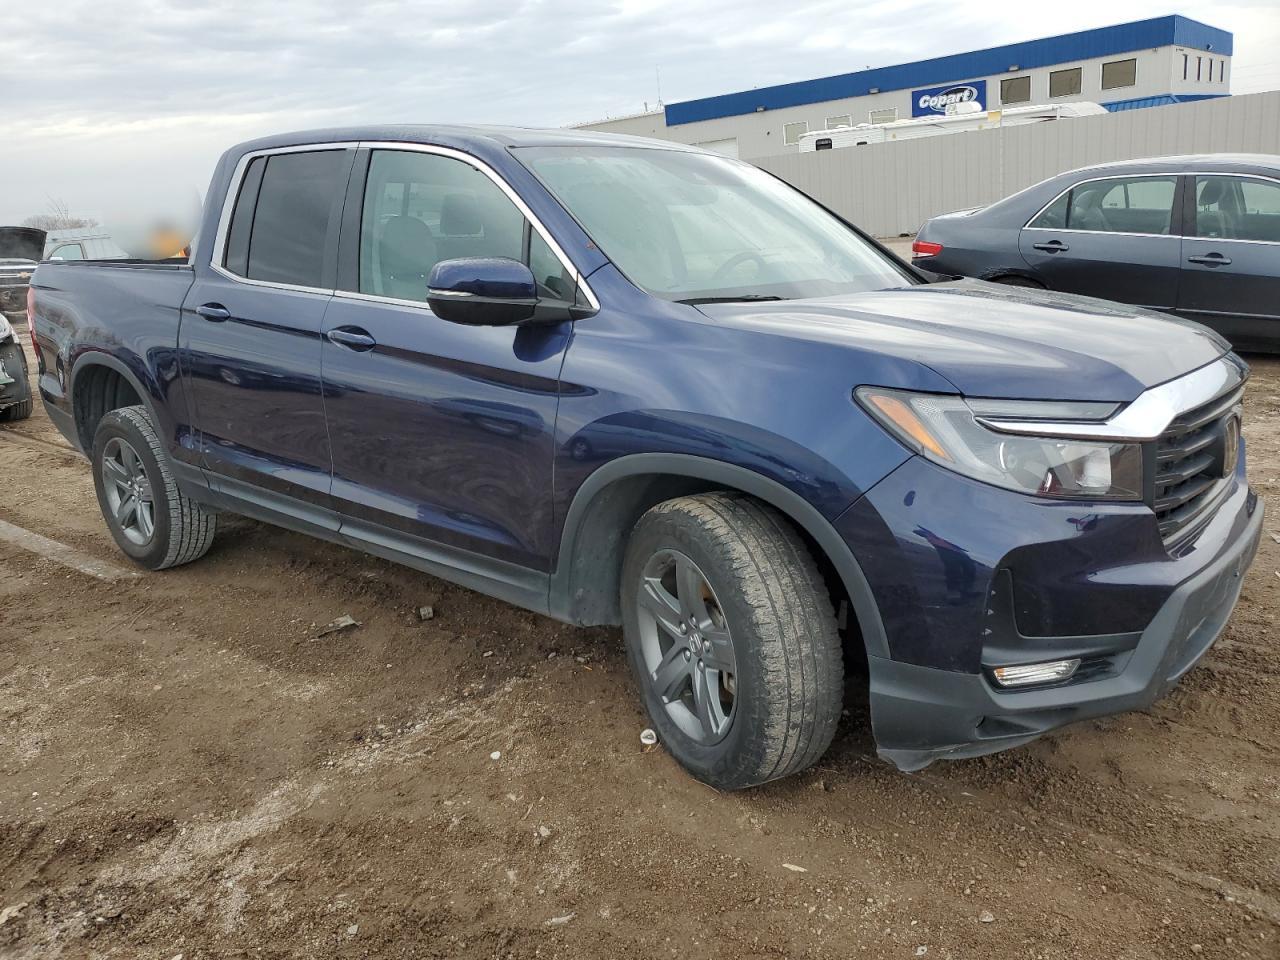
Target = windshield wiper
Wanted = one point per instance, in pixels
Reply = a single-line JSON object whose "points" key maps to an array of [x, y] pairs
{"points": [[740, 298]]}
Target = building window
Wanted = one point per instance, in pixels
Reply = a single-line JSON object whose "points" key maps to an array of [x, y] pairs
{"points": [[792, 132], [1199, 65], [1065, 83], [1015, 90], [887, 115], [844, 120], [1186, 60], [1119, 73]]}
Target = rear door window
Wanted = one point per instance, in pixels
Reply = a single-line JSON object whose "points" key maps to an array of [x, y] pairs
{"points": [[1139, 205], [286, 215]]}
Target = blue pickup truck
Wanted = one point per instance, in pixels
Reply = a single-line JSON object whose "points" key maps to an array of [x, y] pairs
{"points": [[619, 381]]}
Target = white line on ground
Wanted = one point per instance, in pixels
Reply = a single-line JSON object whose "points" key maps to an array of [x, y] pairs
{"points": [[61, 553]]}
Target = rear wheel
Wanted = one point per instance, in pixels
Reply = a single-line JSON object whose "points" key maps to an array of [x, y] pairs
{"points": [[147, 515], [732, 639]]}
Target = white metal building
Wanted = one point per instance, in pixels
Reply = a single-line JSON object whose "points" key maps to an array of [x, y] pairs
{"points": [[1130, 65]]}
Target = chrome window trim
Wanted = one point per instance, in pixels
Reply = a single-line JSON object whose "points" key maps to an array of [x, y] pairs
{"points": [[1147, 417], [228, 207], [237, 179], [1112, 233], [502, 185], [1114, 176], [1127, 176], [1238, 176]]}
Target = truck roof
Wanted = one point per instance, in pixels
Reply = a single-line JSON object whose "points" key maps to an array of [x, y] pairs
{"points": [[460, 136]]}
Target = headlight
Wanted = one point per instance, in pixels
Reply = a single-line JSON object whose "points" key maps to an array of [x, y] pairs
{"points": [[945, 429], [6, 331]]}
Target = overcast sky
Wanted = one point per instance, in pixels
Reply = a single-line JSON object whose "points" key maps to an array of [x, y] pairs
{"points": [[100, 93]]}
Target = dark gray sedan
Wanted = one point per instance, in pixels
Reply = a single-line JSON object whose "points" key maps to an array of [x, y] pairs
{"points": [[1196, 236]]}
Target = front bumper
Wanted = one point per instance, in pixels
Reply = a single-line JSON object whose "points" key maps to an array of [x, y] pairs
{"points": [[967, 577]]}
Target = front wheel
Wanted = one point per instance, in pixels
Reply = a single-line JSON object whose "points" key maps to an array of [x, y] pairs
{"points": [[732, 639]]}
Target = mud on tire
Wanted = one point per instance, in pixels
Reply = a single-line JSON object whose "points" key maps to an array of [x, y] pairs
{"points": [[180, 530], [760, 584]]}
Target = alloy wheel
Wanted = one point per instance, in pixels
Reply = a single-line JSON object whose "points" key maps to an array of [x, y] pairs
{"points": [[128, 491], [687, 647]]}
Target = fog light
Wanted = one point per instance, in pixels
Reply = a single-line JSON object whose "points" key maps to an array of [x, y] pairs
{"points": [[1028, 673]]}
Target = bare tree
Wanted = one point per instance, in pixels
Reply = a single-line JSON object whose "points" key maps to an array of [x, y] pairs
{"points": [[59, 217]]}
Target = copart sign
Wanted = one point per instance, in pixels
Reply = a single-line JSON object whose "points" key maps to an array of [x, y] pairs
{"points": [[933, 101]]}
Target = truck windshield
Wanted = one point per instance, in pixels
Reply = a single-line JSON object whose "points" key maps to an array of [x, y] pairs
{"points": [[695, 227]]}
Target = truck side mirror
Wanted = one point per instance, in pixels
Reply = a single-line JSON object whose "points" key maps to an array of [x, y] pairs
{"points": [[482, 291]]}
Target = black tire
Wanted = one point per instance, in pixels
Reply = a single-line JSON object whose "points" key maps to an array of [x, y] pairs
{"points": [[180, 530], [19, 411], [22, 410], [761, 587], [1013, 280]]}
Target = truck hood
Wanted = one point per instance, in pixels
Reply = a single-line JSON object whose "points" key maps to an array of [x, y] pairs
{"points": [[991, 340], [22, 243]]}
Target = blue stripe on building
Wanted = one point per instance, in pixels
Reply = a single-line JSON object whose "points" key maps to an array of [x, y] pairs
{"points": [[1085, 45]]}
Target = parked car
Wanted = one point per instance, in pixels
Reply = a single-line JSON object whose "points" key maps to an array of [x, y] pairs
{"points": [[621, 381], [82, 243], [1196, 236], [19, 250]]}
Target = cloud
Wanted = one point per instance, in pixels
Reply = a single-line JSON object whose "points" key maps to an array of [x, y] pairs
{"points": [[98, 90]]}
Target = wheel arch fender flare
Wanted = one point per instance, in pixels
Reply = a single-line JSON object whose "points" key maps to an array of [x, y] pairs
{"points": [[99, 358], [701, 473]]}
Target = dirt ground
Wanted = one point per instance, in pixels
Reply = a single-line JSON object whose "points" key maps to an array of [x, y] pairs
{"points": [[184, 771]]}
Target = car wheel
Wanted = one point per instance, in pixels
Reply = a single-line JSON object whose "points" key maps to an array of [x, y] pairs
{"points": [[149, 518], [21, 410], [732, 639], [1013, 280]]}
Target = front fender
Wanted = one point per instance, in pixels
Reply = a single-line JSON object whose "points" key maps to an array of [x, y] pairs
{"points": [[624, 487]]}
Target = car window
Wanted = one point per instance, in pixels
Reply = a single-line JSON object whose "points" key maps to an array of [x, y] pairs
{"points": [[1237, 208], [68, 251], [1054, 216], [1142, 205], [553, 279], [296, 204], [421, 208], [296, 207]]}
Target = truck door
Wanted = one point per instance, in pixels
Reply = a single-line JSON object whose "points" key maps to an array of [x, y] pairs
{"points": [[1114, 238], [249, 344], [442, 433], [1231, 258]]}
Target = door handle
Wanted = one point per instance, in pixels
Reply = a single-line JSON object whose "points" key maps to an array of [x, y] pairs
{"points": [[1211, 260], [353, 338], [1053, 246], [214, 311]]}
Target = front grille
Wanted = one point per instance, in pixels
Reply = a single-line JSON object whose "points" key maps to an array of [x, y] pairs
{"points": [[1188, 465]]}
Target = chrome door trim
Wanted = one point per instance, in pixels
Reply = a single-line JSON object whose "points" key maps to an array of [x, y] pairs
{"points": [[228, 207], [237, 179], [502, 185], [1114, 176]]}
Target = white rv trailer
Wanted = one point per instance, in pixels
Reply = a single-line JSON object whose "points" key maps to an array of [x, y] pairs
{"points": [[959, 118]]}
